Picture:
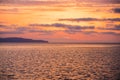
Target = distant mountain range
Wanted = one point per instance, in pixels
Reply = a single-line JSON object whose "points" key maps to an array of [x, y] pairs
{"points": [[16, 39]]}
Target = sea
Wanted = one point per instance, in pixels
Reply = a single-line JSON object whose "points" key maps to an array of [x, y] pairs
{"points": [[53, 61]]}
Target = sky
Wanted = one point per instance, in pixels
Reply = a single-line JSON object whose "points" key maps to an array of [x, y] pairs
{"points": [[61, 20]]}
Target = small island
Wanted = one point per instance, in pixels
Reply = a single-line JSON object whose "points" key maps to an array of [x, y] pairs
{"points": [[16, 39]]}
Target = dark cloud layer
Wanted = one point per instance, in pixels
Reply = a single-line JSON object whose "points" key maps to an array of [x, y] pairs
{"points": [[28, 2], [115, 1], [22, 30], [56, 1], [116, 10], [89, 19], [3, 26], [60, 25], [111, 33], [10, 32], [89, 32], [102, 1], [70, 29], [42, 32], [116, 27], [108, 32]]}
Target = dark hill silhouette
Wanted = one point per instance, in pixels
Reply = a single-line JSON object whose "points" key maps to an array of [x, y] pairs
{"points": [[16, 39]]}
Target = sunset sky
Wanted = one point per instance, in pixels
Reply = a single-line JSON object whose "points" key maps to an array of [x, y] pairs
{"points": [[61, 20]]}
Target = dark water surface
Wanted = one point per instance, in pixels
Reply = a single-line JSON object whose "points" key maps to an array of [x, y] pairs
{"points": [[59, 61]]}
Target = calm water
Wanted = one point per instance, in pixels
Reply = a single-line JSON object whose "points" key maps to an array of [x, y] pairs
{"points": [[59, 61]]}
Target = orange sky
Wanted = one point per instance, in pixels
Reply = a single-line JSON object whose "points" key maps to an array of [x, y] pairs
{"points": [[61, 20]]}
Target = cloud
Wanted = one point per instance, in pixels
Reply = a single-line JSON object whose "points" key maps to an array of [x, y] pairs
{"points": [[89, 32], [116, 10], [94, 32], [29, 2], [3, 26], [115, 1], [116, 27], [18, 28], [79, 19], [72, 31], [68, 28], [10, 32], [89, 19], [22, 30], [111, 33], [60, 25], [57, 2], [15, 31], [42, 32], [101, 1], [9, 10]]}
